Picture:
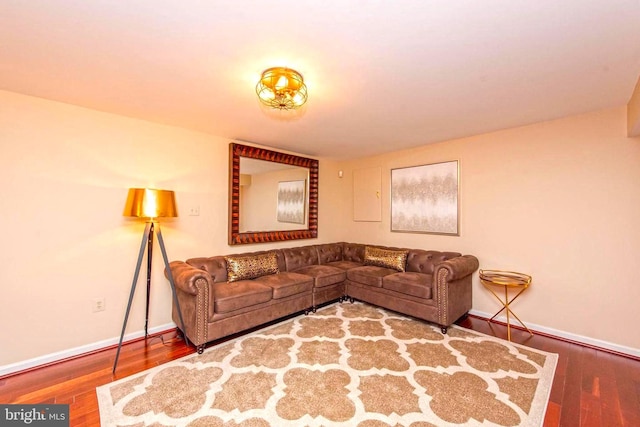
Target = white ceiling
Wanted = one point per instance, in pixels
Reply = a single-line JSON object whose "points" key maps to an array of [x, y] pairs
{"points": [[382, 75]]}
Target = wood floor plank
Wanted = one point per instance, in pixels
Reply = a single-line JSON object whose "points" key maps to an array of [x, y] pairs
{"points": [[590, 414], [84, 410], [626, 375], [552, 417], [609, 398], [571, 400], [590, 410]]}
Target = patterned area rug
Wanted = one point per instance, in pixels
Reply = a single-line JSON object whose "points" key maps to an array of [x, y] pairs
{"points": [[346, 365]]}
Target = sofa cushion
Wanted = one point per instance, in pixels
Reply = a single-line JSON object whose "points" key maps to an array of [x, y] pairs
{"points": [[323, 275], [388, 258], [369, 275], [345, 265], [285, 283], [242, 267], [241, 294], [414, 284]]}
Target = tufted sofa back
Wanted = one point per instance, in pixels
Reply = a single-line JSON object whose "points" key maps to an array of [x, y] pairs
{"points": [[291, 259], [418, 260], [329, 252], [421, 261], [353, 252], [302, 256]]}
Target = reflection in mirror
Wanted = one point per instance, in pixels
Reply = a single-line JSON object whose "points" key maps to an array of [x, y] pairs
{"points": [[272, 196]]}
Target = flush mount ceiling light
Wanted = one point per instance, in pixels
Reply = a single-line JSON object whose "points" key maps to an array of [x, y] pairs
{"points": [[282, 88]]}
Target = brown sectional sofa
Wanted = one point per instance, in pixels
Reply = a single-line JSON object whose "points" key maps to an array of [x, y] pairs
{"points": [[435, 286]]}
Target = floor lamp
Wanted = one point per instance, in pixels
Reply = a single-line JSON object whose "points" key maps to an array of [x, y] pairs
{"points": [[151, 205]]}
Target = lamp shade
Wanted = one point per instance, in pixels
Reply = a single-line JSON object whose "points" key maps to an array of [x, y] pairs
{"points": [[150, 203]]}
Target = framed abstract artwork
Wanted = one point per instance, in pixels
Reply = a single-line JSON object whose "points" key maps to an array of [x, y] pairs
{"points": [[291, 201], [424, 199]]}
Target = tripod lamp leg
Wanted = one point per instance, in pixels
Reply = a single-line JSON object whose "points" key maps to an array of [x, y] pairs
{"points": [[170, 276], [145, 238]]}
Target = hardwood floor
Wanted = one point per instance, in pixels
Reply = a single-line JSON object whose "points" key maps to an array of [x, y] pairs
{"points": [[591, 387]]}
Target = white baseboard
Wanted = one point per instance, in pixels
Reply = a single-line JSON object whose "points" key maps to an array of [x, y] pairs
{"points": [[65, 354], [566, 335]]}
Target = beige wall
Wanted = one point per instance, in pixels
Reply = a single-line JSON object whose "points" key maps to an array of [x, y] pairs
{"points": [[558, 200], [64, 173]]}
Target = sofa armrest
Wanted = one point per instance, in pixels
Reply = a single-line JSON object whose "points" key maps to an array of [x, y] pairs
{"points": [[453, 288], [194, 291], [458, 267], [186, 276]]}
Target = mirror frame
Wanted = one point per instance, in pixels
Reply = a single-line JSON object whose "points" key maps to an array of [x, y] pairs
{"points": [[235, 236]]}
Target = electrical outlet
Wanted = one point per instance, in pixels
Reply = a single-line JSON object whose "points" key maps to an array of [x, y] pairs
{"points": [[194, 211], [97, 304]]}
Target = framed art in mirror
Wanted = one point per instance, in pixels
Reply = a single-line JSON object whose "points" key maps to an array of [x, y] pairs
{"points": [[292, 201], [255, 195]]}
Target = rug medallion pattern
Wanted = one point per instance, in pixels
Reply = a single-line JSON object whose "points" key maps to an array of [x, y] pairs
{"points": [[346, 365]]}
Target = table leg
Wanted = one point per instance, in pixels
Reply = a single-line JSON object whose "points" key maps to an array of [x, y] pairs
{"points": [[505, 306]]}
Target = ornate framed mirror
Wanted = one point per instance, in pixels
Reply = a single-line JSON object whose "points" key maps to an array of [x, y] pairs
{"points": [[273, 196]]}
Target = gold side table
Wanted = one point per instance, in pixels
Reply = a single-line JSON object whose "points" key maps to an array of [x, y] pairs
{"points": [[509, 280]]}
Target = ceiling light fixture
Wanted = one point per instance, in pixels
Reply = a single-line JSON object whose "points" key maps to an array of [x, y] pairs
{"points": [[282, 88]]}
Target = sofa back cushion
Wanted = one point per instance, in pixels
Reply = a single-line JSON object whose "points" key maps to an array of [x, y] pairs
{"points": [[421, 261], [216, 266], [302, 256], [330, 252], [353, 252]]}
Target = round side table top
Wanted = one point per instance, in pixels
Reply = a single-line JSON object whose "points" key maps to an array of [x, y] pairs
{"points": [[504, 278]]}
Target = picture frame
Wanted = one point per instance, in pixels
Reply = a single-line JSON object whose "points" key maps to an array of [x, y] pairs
{"points": [[291, 201], [425, 199]]}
